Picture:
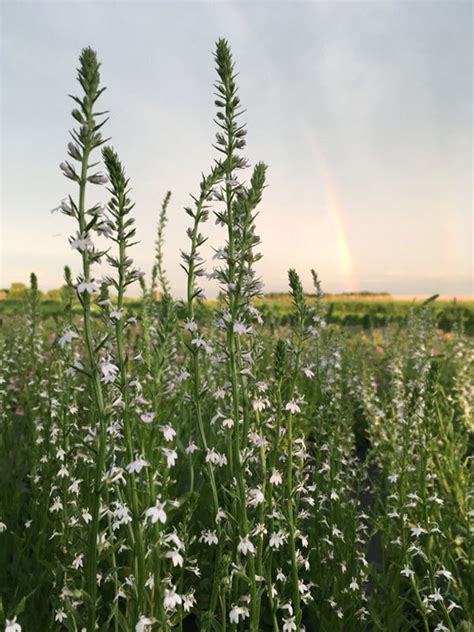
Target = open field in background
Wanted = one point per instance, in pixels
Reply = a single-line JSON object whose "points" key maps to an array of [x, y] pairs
{"points": [[353, 311]]}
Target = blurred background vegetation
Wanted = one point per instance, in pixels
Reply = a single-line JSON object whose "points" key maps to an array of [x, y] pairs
{"points": [[365, 310]]}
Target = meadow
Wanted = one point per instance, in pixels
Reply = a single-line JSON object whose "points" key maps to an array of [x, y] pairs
{"points": [[283, 463]]}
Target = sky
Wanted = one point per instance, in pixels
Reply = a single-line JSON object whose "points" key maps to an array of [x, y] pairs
{"points": [[361, 110]]}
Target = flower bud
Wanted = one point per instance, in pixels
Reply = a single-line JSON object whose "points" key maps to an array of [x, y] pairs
{"points": [[98, 178], [74, 151]]}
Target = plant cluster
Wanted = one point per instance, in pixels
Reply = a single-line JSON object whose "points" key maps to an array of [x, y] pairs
{"points": [[160, 470]]}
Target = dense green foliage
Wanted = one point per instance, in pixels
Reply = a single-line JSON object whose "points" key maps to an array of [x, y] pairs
{"points": [[367, 314]]}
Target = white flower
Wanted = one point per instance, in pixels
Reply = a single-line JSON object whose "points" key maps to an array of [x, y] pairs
{"points": [[416, 531], [168, 432], [137, 466], [444, 573], [219, 394], [354, 585], [407, 572], [64, 207], [147, 418], [156, 513], [86, 516], [209, 537], [116, 314], [189, 601], [68, 336], [60, 615], [293, 407], [215, 457], [220, 515], [87, 286], [183, 376], [191, 448], [12, 626], [171, 599], [190, 325], [259, 404], [63, 472], [78, 562], [176, 557], [275, 478], [289, 624], [144, 624], [3, 527], [245, 546], [256, 497], [238, 612], [57, 505], [81, 243], [277, 539], [240, 328], [228, 423], [109, 372], [171, 456], [150, 582], [436, 596]]}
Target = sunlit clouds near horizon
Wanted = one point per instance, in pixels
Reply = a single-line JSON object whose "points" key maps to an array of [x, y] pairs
{"points": [[362, 111]]}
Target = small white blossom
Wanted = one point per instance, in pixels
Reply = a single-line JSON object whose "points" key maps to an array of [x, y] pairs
{"points": [[156, 513], [171, 599], [168, 432], [276, 478], [171, 456], [68, 336], [137, 465], [289, 624], [191, 448], [238, 612], [209, 537], [245, 546], [78, 562], [144, 624], [293, 407], [12, 626], [147, 418], [60, 615]]}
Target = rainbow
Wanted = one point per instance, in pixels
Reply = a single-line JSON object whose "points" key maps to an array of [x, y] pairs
{"points": [[336, 210]]}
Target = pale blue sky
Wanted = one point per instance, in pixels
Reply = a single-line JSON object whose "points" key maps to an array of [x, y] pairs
{"points": [[362, 110]]}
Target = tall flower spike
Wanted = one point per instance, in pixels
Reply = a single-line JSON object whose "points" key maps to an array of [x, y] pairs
{"points": [[159, 270]]}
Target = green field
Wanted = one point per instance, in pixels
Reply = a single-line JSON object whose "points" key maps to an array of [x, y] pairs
{"points": [[367, 313]]}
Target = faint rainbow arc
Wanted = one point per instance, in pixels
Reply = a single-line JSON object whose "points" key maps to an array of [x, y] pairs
{"points": [[336, 211]]}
